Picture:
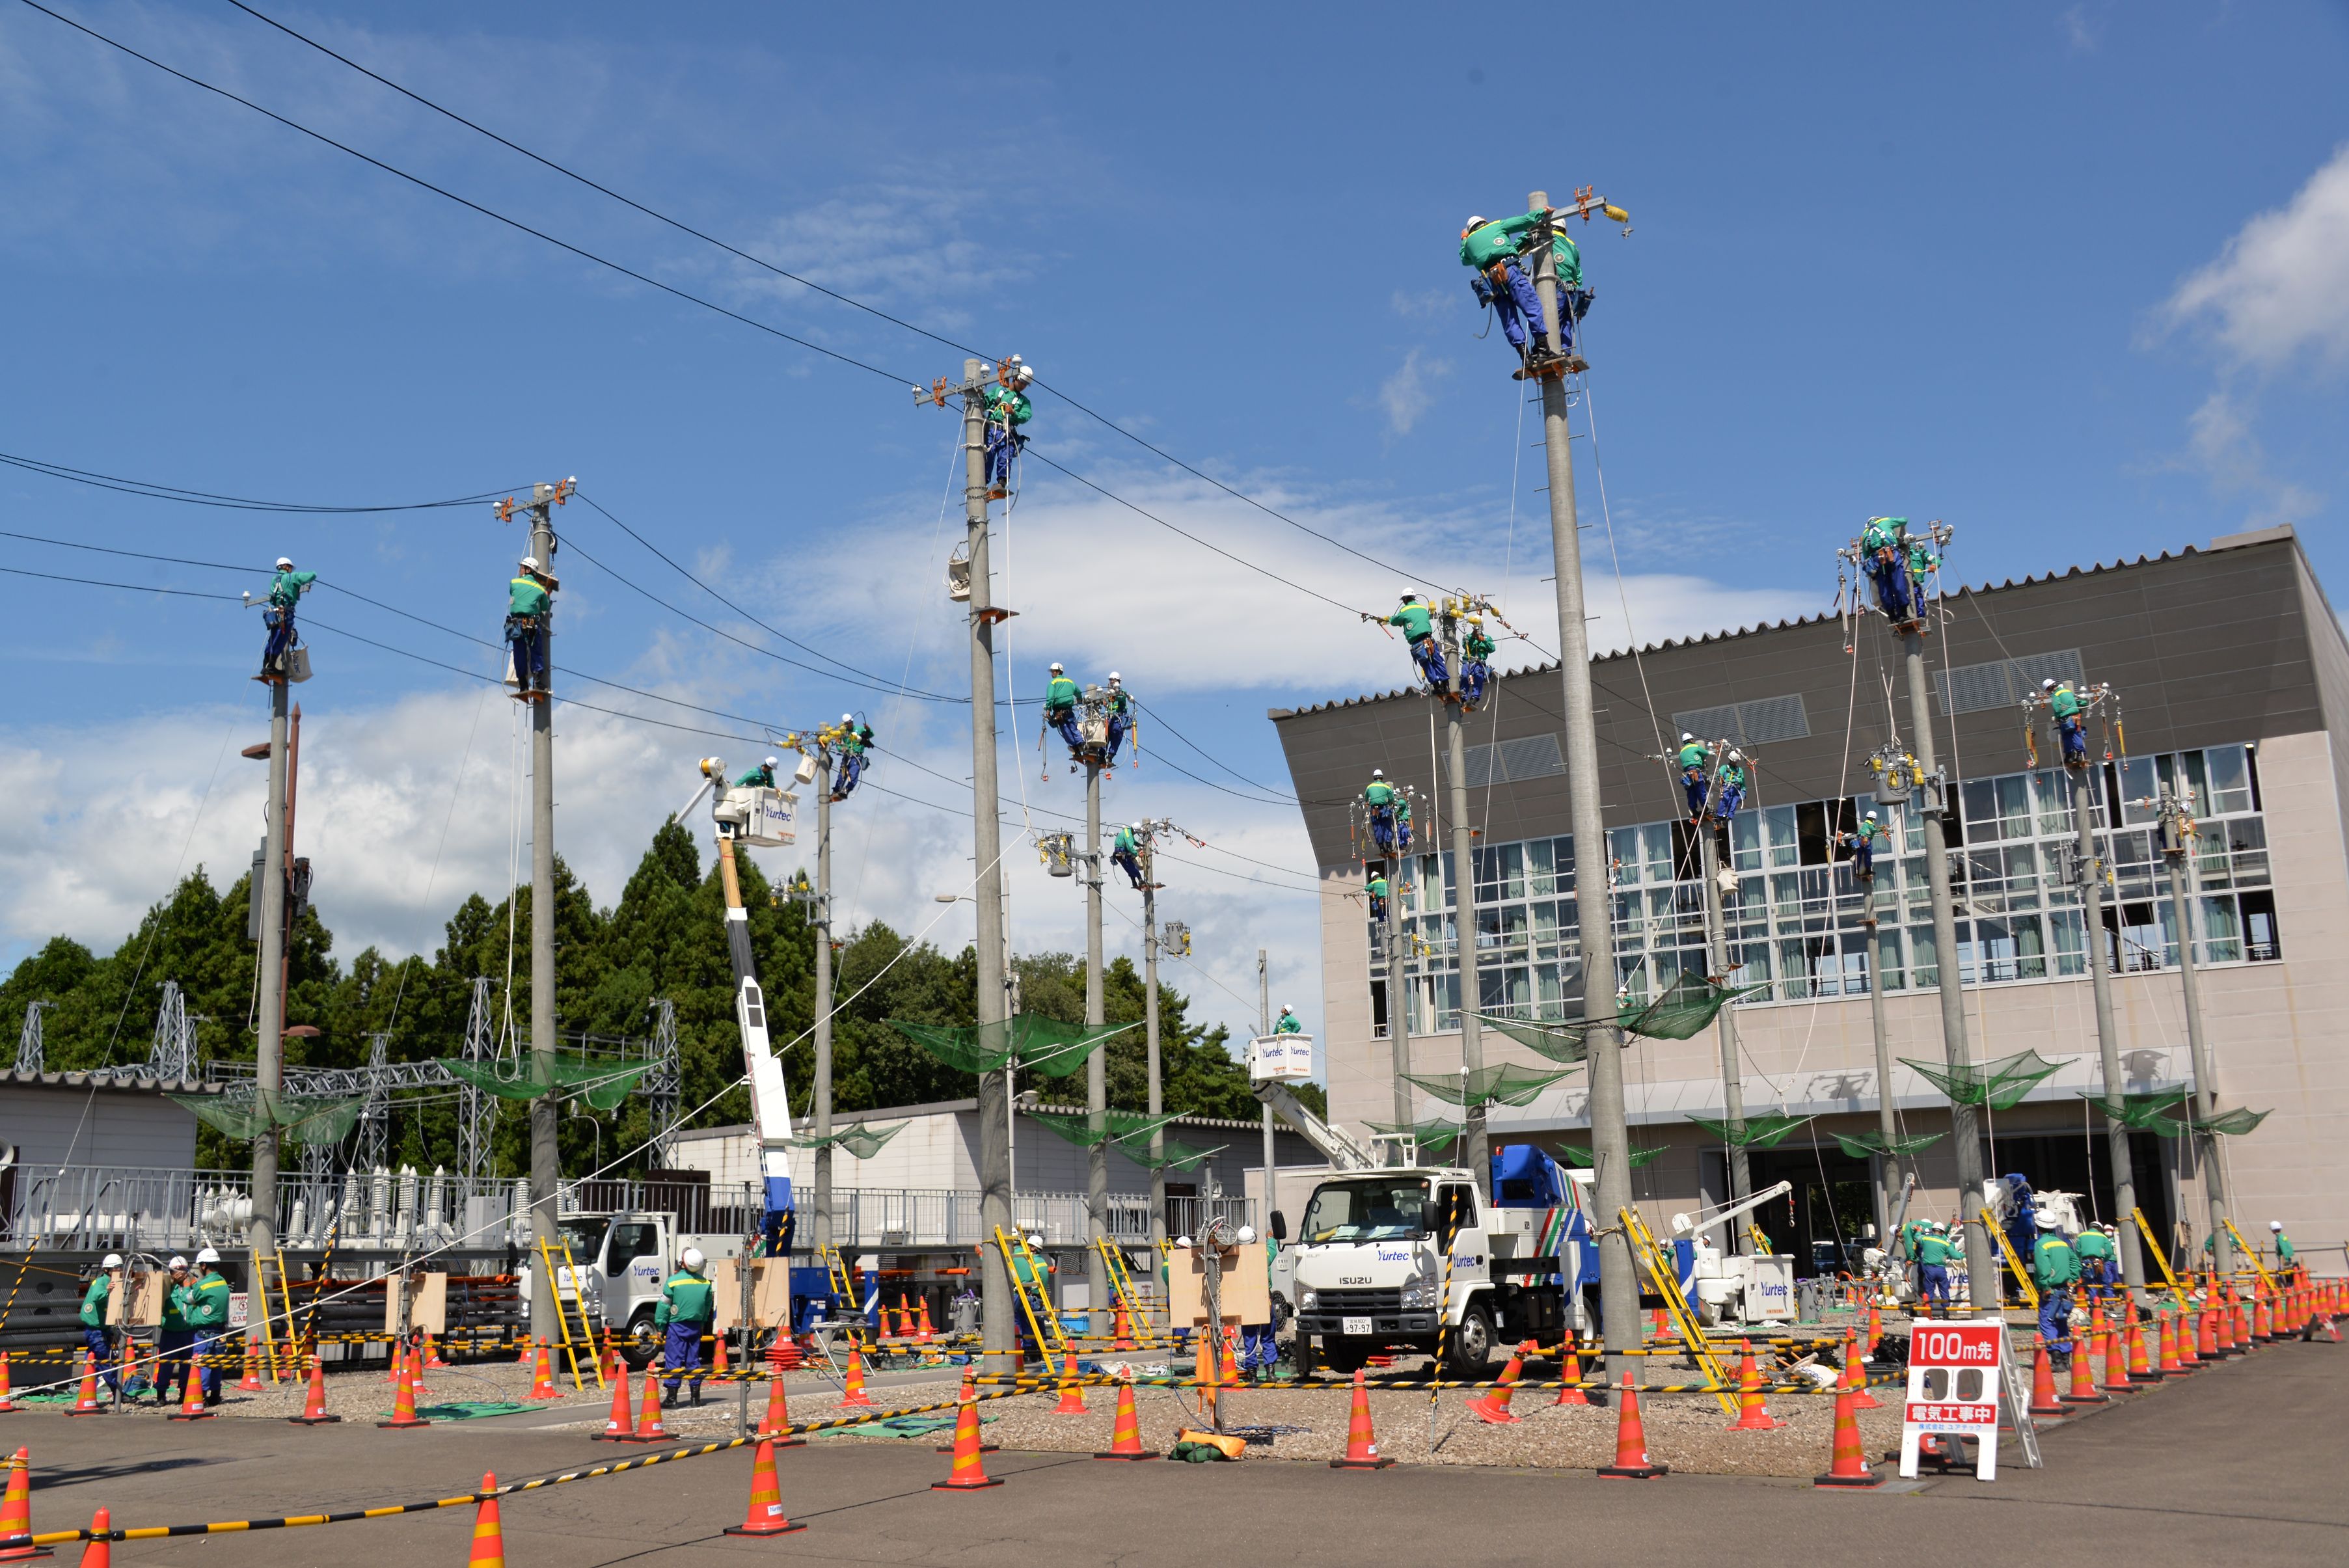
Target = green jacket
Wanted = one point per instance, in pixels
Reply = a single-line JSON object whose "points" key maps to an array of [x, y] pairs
{"points": [[1496, 242], [1933, 1251], [2063, 702], [93, 1301], [1379, 792], [207, 1301], [1882, 533], [1026, 1267], [1127, 844], [1120, 700], [175, 1306], [1003, 404], [854, 738], [1868, 831], [1402, 808], [1416, 619], [1732, 776], [527, 596], [759, 778], [686, 1298], [1062, 693], [2092, 1244], [1479, 645], [1378, 887], [286, 587], [1696, 753], [1288, 1025], [1570, 258], [2284, 1250], [2053, 1264], [1922, 561]]}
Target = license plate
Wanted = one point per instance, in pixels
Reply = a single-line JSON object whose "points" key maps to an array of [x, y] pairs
{"points": [[1354, 1325]]}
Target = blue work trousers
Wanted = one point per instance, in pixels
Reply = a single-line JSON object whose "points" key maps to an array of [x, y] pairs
{"points": [[1513, 299], [1474, 673], [1000, 446], [1257, 1352], [2055, 1320], [100, 1343], [281, 637], [1118, 725], [1892, 579], [1863, 858], [527, 638], [682, 1354], [174, 1348], [1378, 907], [852, 769], [1731, 797], [1429, 659], [1933, 1283], [1129, 865], [2075, 738], [200, 1344], [1383, 828], [1064, 719], [1696, 786]]}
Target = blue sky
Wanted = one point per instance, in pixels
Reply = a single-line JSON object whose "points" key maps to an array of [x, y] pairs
{"points": [[2072, 277]]}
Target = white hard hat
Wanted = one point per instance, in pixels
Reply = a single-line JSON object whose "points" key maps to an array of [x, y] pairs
{"points": [[111, 1261], [1735, 755], [176, 1261], [2275, 1224], [1286, 1008], [285, 563], [1476, 220], [1114, 677], [2046, 686], [848, 718], [1035, 1240], [208, 1255], [1247, 1234], [1378, 772], [1023, 374], [1871, 816], [1686, 736], [530, 564], [774, 762], [1136, 828], [1056, 667], [1181, 1241], [691, 1258]]}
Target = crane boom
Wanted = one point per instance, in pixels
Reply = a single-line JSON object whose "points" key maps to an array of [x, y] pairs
{"points": [[770, 1107], [1343, 1152]]}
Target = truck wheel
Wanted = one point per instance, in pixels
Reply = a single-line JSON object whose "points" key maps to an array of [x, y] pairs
{"points": [[1345, 1354], [1469, 1348], [643, 1344], [1300, 1356]]}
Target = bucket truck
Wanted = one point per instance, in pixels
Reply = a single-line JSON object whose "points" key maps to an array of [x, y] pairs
{"points": [[1725, 1287]]}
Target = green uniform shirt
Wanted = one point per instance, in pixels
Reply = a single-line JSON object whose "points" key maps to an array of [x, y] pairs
{"points": [[2063, 702], [1882, 533], [1027, 1266], [175, 1306], [1934, 1251], [1696, 753], [1378, 886], [1496, 242], [1127, 843], [1120, 700], [1002, 404], [1922, 561], [93, 1301], [1479, 645], [1379, 792], [286, 587], [686, 1298], [1288, 1025], [854, 738], [1732, 776], [1868, 829], [2284, 1253], [1402, 808], [759, 778], [207, 1302], [526, 596], [1061, 693], [1416, 620], [2053, 1263], [2092, 1244], [1570, 258]]}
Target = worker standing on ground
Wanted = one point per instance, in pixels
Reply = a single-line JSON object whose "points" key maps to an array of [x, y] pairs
{"points": [[1120, 702], [688, 1307], [2064, 703], [286, 590], [173, 1338], [762, 777], [530, 613], [1696, 759], [1377, 889], [1033, 1270], [207, 1315], [2285, 1255], [1475, 668], [1932, 1251], [1006, 409], [855, 741], [2056, 1269], [96, 1336], [2100, 1263], [1500, 281], [1289, 1024], [1126, 852], [1863, 840], [1380, 796], [1060, 711], [1418, 623], [1883, 553]]}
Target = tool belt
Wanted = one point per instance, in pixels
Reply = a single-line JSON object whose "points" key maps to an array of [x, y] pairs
{"points": [[517, 624], [1497, 274]]}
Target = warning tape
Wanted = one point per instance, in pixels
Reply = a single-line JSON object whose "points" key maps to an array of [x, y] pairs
{"points": [[1339, 1385]]}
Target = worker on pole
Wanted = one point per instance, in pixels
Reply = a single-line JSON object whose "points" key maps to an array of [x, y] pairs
{"points": [[1006, 409], [1863, 840], [1403, 822], [286, 590], [1475, 667], [1126, 853], [687, 1309], [1573, 299], [1380, 796], [96, 1338], [1417, 619], [2063, 702], [1377, 889], [1884, 555], [530, 612], [1060, 695], [1499, 280], [1733, 786], [1120, 703], [855, 741], [1695, 760]]}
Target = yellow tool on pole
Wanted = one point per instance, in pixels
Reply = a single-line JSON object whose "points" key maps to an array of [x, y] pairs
{"points": [[2160, 1258]]}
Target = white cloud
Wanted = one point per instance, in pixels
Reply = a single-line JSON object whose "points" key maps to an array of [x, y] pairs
{"points": [[2079, 30], [2219, 438], [2280, 290], [1408, 393]]}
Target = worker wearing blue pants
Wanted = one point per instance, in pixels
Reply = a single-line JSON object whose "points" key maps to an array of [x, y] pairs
{"points": [[855, 740], [1733, 786], [1932, 1253], [1120, 702], [1475, 670], [96, 1338], [1006, 409], [1694, 758], [1418, 623], [529, 606], [1377, 889], [1380, 796], [2057, 1269], [1881, 549], [207, 1315], [286, 590], [1490, 251], [174, 1340], [1126, 853], [688, 1307]]}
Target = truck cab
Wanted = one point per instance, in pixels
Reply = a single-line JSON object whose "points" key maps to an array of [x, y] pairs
{"points": [[618, 1265]]}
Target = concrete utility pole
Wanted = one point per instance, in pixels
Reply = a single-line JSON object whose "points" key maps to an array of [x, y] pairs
{"points": [[1398, 990], [1885, 1127], [269, 1073], [546, 1155], [1097, 1287], [2178, 836], [1464, 893], [819, 916], [1732, 1083], [1610, 1143], [2088, 876], [1264, 1027], [1149, 863]]}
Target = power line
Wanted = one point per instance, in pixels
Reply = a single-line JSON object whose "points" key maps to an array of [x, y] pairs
{"points": [[127, 587], [238, 503]]}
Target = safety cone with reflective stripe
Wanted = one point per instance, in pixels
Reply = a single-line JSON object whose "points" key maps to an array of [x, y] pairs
{"points": [[2172, 1365], [432, 1362], [924, 1333], [2141, 1365], [1125, 1430], [1855, 1375], [314, 1406], [2117, 1377], [86, 1401], [2044, 1401], [778, 1420], [718, 1356], [853, 1394], [1875, 1333], [99, 1552], [251, 1382], [765, 1516], [1493, 1409], [1361, 1443], [1848, 1465], [541, 1383], [191, 1398], [1632, 1461], [621, 1422], [1072, 1397], [16, 1512], [1125, 1340], [393, 1373], [969, 1474], [403, 1403], [2206, 1347], [649, 1416], [2084, 1369], [488, 1536], [7, 1406], [1227, 1371], [968, 1395], [2263, 1328], [1569, 1362], [1752, 1413]]}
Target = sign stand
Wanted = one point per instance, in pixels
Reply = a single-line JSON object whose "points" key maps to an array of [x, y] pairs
{"points": [[1958, 1370]]}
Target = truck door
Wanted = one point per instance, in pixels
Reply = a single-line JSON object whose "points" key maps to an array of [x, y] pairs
{"points": [[632, 1269]]}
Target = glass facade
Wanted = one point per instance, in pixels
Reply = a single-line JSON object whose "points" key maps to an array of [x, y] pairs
{"points": [[1795, 915]]}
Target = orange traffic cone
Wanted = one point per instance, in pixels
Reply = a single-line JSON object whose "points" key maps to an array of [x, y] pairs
{"points": [[1203, 1373], [718, 1356], [392, 1375], [2044, 1401], [649, 1416], [86, 1401], [778, 1422], [2206, 1347], [1361, 1443], [314, 1407], [488, 1536], [621, 1422], [6, 1407], [191, 1397], [924, 1333], [2084, 1371], [1072, 1397], [403, 1402], [1848, 1465], [1570, 1368], [1752, 1413], [2172, 1364], [1227, 1373], [16, 1512], [765, 1516], [99, 1552], [2117, 1377], [251, 1382], [432, 1362], [1125, 1327], [969, 1473], [1632, 1461], [1875, 1330], [2263, 1326], [1125, 1430], [2141, 1368], [853, 1394], [1493, 1409], [968, 1395], [542, 1385], [1855, 1375]]}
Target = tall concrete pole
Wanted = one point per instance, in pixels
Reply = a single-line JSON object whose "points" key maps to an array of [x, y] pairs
{"points": [[1150, 1044], [270, 1049], [546, 1155], [2088, 876], [995, 1305], [1732, 1083], [1463, 904], [819, 916], [1981, 1252], [1885, 1127], [1610, 1143], [2178, 849], [1097, 1288], [1398, 994], [1264, 1027]]}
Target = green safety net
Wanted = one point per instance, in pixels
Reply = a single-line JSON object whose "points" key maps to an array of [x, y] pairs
{"points": [[2147, 1112], [299, 1118], [1578, 1155], [861, 1140], [1435, 1136], [1754, 1131], [602, 1082], [2230, 1123], [1504, 1084], [1561, 1042], [1859, 1146], [1116, 1125], [1028, 1040], [1174, 1154], [1686, 1008], [2001, 1085]]}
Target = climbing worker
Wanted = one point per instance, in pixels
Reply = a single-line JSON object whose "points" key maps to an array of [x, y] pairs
{"points": [[2056, 1268], [2064, 703], [1126, 852], [2099, 1270], [1500, 281], [96, 1336], [1573, 299], [2284, 1247], [1033, 1271], [1733, 786], [174, 1337], [1403, 822], [529, 611], [1380, 796], [1377, 889], [1921, 563], [1120, 702], [1475, 670], [1287, 1023], [762, 777], [1933, 1251], [285, 589], [1882, 552], [1696, 759], [207, 1313], [687, 1309], [1007, 411], [855, 741], [1863, 840], [1417, 619], [1060, 711]]}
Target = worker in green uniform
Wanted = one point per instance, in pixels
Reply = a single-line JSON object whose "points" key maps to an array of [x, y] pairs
{"points": [[1921, 563], [688, 1307], [2056, 1268], [1475, 666], [762, 777], [1933, 1254], [1490, 248], [2099, 1265], [1380, 796], [1417, 619], [206, 1310], [1883, 555], [1695, 760], [1033, 1271], [1060, 695], [530, 613], [1377, 889], [96, 1336], [1403, 823], [1573, 299], [286, 590], [1863, 840], [1733, 786], [2285, 1255], [855, 741], [1289, 1024], [1006, 409], [1120, 702], [173, 1339], [2064, 703], [1126, 853]]}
